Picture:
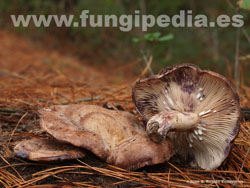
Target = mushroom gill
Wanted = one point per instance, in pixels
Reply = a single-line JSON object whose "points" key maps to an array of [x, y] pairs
{"points": [[199, 110]]}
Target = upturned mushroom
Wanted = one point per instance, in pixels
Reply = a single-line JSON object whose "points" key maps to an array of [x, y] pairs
{"points": [[114, 136], [198, 109]]}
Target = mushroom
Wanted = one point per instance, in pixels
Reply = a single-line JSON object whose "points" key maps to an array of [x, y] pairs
{"points": [[197, 109], [114, 136], [41, 149]]}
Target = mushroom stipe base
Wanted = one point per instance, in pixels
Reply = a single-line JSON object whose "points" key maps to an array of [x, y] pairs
{"points": [[197, 109]]}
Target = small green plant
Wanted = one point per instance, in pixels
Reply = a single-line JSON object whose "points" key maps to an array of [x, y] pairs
{"points": [[244, 4], [153, 37], [150, 40]]}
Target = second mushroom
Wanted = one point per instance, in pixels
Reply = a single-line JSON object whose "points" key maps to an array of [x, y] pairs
{"points": [[198, 109], [116, 137]]}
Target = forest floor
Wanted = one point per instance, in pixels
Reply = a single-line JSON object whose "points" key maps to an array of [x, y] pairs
{"points": [[33, 75]]}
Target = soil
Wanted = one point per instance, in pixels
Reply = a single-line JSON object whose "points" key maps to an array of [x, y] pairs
{"points": [[33, 75]]}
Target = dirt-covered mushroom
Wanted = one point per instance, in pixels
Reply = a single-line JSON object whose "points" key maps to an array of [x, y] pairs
{"points": [[115, 136], [42, 149], [198, 109]]}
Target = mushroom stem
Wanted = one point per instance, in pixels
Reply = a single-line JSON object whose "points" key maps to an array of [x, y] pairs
{"points": [[160, 124]]}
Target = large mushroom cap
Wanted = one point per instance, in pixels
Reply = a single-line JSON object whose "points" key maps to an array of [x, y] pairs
{"points": [[114, 136], [202, 101], [41, 149]]}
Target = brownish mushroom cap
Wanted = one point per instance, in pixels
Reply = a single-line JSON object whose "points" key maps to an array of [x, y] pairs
{"points": [[115, 136], [198, 109], [41, 149]]}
